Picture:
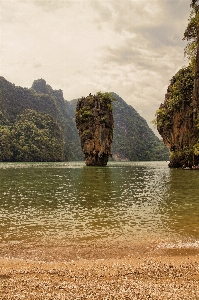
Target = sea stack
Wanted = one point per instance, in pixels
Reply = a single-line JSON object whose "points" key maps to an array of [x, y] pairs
{"points": [[94, 121]]}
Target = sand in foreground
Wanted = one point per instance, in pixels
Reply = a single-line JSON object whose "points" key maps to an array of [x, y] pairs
{"points": [[153, 275]]}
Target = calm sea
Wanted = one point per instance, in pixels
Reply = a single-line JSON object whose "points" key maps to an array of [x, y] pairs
{"points": [[125, 201]]}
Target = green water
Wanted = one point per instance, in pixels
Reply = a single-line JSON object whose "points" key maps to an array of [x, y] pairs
{"points": [[124, 201]]}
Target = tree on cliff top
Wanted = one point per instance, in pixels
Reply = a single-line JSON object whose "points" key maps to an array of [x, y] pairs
{"points": [[194, 3], [191, 34]]}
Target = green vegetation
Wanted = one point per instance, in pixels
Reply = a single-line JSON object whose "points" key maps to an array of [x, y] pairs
{"points": [[196, 149], [6, 153], [26, 116], [33, 137], [180, 89], [42, 99], [178, 100], [106, 99], [86, 115], [94, 121], [178, 117], [181, 157], [132, 138], [3, 120], [191, 34], [179, 93]]}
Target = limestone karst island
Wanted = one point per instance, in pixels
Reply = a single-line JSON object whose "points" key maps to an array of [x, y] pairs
{"points": [[94, 120]]}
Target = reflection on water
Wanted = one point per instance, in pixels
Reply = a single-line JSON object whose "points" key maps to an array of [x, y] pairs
{"points": [[181, 202], [123, 201]]}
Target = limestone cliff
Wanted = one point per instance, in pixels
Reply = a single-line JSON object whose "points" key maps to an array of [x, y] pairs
{"points": [[177, 122], [94, 121]]}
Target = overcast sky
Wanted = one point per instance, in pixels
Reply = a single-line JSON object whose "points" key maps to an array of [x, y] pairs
{"points": [[130, 47]]}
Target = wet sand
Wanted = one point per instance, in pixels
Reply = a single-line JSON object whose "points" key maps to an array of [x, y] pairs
{"points": [[105, 271]]}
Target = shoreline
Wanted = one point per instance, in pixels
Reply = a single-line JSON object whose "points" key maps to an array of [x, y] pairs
{"points": [[99, 272]]}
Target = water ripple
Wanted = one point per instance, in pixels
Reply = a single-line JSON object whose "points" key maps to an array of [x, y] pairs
{"points": [[123, 200]]}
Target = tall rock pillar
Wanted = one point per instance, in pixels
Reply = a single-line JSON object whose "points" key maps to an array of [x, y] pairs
{"points": [[94, 121]]}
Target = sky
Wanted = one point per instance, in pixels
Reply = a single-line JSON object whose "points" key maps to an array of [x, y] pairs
{"points": [[130, 47]]}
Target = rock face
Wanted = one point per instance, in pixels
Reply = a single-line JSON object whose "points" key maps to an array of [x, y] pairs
{"points": [[94, 121], [177, 122]]}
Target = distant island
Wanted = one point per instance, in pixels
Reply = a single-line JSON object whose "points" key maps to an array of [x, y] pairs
{"points": [[38, 124]]}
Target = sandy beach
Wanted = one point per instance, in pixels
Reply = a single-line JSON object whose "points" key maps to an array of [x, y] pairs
{"points": [[98, 272]]}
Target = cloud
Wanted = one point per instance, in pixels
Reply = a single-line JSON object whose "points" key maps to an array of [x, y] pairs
{"points": [[50, 5], [148, 39], [129, 15], [36, 65], [130, 47]]}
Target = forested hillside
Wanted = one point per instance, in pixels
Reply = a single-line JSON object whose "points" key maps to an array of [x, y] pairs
{"points": [[40, 98], [38, 124], [133, 139]]}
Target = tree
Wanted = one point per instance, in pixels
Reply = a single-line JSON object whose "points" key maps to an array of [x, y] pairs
{"points": [[194, 3], [5, 144], [36, 137], [191, 35], [195, 36]]}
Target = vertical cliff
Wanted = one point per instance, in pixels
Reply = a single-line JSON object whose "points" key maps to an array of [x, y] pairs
{"points": [[177, 120], [94, 121]]}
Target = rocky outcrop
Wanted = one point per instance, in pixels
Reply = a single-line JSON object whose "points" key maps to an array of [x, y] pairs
{"points": [[177, 122], [94, 121]]}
